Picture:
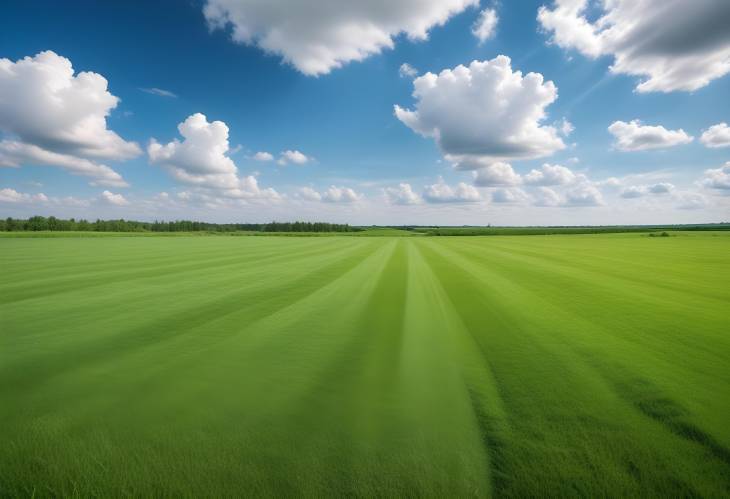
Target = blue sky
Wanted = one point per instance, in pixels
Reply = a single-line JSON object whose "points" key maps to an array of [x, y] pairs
{"points": [[355, 160]]}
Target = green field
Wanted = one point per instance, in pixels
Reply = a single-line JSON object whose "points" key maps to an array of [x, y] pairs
{"points": [[571, 365]]}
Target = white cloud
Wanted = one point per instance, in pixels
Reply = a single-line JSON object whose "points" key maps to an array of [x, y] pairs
{"points": [[634, 136], [407, 71], [336, 194], [717, 178], [661, 188], [202, 160], [672, 44], [496, 174], [485, 26], [319, 35], [610, 182], [550, 175], [295, 157], [14, 154], [545, 196], [333, 194], [716, 136], [584, 195], [58, 118], [309, 194], [8, 195], [691, 201], [159, 92], [484, 113], [633, 191], [403, 194], [652, 179], [263, 156], [508, 195], [113, 199], [441, 192], [565, 127]]}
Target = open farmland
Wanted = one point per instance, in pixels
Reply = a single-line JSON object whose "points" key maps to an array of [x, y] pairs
{"points": [[490, 366]]}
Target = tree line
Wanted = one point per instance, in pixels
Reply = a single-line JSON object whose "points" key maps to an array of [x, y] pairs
{"points": [[39, 223]]}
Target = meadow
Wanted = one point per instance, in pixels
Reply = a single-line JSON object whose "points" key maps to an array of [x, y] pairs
{"points": [[565, 365]]}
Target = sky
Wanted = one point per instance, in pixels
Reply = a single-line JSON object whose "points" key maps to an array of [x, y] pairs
{"points": [[448, 112]]}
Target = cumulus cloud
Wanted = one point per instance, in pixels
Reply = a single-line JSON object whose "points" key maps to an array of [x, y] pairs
{"points": [[484, 113], [634, 136], [717, 178], [545, 196], [671, 44], [633, 191], [485, 26], [295, 157], [11, 196], [263, 156], [403, 194], [441, 192], [335, 194], [576, 189], [57, 117], [407, 71], [202, 160], [319, 35], [14, 154], [496, 174], [584, 195], [550, 175], [716, 136], [661, 188], [113, 199], [309, 194], [637, 191], [503, 195], [8, 195]]}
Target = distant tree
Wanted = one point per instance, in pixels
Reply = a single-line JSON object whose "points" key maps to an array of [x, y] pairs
{"points": [[37, 223]]}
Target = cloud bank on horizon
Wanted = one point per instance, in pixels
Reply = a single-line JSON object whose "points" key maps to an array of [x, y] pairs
{"points": [[505, 145]]}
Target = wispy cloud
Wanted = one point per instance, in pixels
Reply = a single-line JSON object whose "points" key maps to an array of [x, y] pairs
{"points": [[159, 91]]}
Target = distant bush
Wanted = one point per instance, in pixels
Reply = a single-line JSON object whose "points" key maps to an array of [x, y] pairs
{"points": [[537, 231]]}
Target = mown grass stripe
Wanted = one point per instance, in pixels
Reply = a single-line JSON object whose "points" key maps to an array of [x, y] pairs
{"points": [[508, 294], [366, 366]]}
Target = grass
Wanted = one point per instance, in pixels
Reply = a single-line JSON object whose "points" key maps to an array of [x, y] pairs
{"points": [[571, 365]]}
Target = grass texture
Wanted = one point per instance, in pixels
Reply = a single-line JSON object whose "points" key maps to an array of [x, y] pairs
{"points": [[573, 365]]}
